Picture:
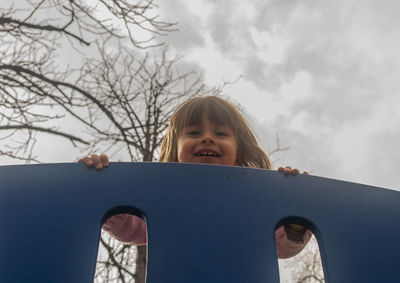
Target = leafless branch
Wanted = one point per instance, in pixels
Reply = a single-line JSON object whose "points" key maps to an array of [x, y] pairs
{"points": [[72, 138], [278, 147]]}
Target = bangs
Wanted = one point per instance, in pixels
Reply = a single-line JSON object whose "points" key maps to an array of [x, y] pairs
{"points": [[193, 112]]}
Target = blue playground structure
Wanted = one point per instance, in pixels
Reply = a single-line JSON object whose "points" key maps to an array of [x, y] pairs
{"points": [[205, 223]]}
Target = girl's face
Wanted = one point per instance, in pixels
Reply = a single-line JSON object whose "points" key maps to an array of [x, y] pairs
{"points": [[207, 143]]}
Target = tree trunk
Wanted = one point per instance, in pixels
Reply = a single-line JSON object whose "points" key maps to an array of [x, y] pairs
{"points": [[141, 262]]}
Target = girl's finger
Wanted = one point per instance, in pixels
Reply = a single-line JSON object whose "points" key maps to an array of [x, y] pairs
{"points": [[305, 173], [295, 171], [96, 161], [104, 160], [281, 169], [287, 170], [87, 161]]}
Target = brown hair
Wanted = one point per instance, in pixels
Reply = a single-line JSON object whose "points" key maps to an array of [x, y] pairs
{"points": [[218, 111]]}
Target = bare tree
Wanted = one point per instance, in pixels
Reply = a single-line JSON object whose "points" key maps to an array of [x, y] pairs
{"points": [[117, 93], [32, 36], [135, 99]]}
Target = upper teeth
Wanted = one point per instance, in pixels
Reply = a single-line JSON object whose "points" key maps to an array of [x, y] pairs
{"points": [[207, 154]]}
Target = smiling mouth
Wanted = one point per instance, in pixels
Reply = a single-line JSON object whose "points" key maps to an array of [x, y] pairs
{"points": [[212, 154]]}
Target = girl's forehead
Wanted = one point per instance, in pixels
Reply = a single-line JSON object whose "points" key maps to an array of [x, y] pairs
{"points": [[208, 120]]}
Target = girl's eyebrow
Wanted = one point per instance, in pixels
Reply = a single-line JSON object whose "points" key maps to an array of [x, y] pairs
{"points": [[225, 127], [191, 126]]}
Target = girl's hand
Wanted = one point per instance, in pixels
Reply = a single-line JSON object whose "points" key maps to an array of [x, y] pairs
{"points": [[290, 171], [95, 160], [296, 227]]}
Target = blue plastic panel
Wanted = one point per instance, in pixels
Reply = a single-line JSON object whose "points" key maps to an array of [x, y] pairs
{"points": [[205, 223]]}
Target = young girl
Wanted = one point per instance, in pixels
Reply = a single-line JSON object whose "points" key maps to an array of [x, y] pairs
{"points": [[207, 130]]}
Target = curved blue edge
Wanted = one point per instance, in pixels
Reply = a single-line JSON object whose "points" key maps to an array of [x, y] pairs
{"points": [[123, 210], [205, 223]]}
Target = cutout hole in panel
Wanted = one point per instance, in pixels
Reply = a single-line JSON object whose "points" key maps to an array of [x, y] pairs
{"points": [[122, 254], [298, 264]]}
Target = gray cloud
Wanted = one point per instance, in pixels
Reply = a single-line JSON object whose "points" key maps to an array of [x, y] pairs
{"points": [[273, 12], [350, 53], [190, 26], [383, 158], [229, 28]]}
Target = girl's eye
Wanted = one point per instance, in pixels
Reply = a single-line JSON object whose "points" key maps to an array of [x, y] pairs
{"points": [[221, 133], [194, 133]]}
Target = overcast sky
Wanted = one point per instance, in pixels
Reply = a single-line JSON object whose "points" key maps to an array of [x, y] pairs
{"points": [[321, 74]]}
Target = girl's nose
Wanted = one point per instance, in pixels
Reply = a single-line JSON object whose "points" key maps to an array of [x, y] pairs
{"points": [[207, 138]]}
